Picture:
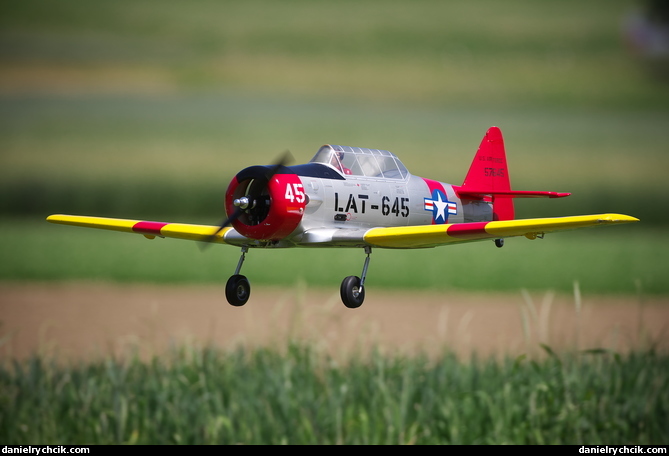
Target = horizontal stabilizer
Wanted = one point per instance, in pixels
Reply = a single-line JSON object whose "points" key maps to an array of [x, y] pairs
{"points": [[478, 194]]}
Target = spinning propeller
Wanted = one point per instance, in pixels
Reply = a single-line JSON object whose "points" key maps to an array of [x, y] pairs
{"points": [[253, 200]]}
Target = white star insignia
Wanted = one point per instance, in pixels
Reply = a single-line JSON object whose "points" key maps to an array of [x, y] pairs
{"points": [[440, 206]]}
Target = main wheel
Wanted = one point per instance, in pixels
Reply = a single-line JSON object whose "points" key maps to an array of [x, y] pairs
{"points": [[237, 290], [352, 294]]}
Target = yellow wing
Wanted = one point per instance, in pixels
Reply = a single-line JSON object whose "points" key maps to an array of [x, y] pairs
{"points": [[408, 237], [405, 237], [148, 229]]}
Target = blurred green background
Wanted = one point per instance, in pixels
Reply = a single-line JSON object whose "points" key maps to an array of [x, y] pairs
{"points": [[147, 108]]}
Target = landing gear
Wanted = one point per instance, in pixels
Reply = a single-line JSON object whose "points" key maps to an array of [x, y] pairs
{"points": [[238, 289], [352, 288], [352, 292], [499, 243]]}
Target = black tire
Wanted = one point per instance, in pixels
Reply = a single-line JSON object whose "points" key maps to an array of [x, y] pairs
{"points": [[352, 295], [237, 290], [499, 243]]}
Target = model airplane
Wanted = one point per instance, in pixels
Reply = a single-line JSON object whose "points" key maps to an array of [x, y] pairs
{"points": [[360, 198]]}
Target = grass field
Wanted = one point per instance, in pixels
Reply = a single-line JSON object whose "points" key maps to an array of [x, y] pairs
{"points": [[299, 396], [146, 109]]}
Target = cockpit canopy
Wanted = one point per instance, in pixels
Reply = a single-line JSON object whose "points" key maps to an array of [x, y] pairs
{"points": [[359, 161]]}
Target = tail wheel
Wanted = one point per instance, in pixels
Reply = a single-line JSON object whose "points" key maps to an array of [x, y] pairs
{"points": [[352, 293], [237, 290]]}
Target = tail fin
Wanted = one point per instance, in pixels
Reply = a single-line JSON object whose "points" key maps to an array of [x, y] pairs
{"points": [[489, 175], [488, 178]]}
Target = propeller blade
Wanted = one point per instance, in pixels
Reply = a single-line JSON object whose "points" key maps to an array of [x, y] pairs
{"points": [[286, 158], [235, 215], [227, 222]]}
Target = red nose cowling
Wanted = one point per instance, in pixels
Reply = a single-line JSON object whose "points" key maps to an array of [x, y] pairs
{"points": [[275, 206]]}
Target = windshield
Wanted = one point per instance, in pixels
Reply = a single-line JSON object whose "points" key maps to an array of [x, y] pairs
{"points": [[358, 161]]}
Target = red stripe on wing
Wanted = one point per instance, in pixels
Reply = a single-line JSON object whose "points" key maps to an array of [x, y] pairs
{"points": [[152, 228], [475, 230]]}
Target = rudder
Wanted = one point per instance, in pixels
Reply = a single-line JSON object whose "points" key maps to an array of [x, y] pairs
{"points": [[489, 173]]}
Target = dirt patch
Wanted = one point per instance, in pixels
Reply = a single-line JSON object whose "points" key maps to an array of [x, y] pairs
{"points": [[75, 320]]}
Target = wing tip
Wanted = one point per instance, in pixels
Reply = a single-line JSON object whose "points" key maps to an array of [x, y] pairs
{"points": [[56, 218], [617, 218]]}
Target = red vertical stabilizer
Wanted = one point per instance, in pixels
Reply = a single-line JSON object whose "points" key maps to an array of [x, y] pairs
{"points": [[489, 173]]}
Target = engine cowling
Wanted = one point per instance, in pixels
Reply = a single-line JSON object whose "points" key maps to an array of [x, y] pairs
{"points": [[271, 208]]}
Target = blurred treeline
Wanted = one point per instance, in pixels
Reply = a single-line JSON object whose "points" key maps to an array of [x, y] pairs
{"points": [[147, 109]]}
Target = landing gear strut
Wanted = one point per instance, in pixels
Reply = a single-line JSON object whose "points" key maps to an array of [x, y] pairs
{"points": [[238, 289], [352, 287]]}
